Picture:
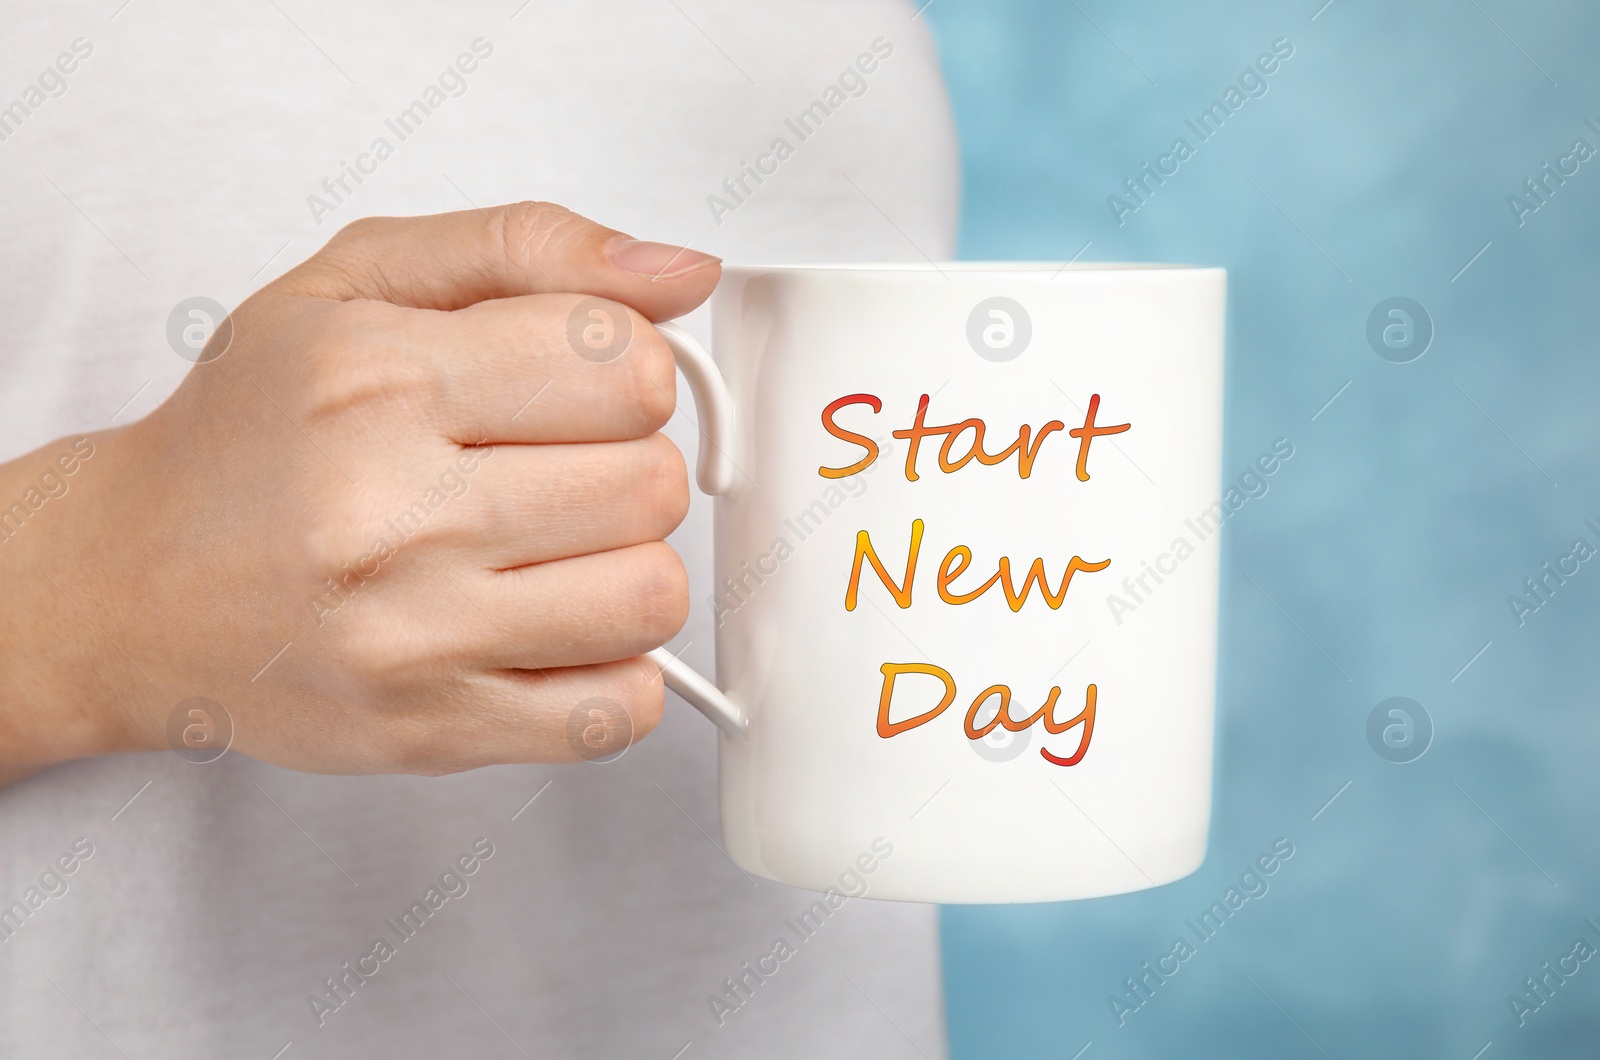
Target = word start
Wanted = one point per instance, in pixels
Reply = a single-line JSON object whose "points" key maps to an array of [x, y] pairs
{"points": [[963, 442]]}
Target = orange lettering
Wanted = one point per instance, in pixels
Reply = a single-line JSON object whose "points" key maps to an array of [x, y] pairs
{"points": [[946, 576], [976, 426], [1002, 716], [902, 593], [890, 672], [850, 436], [1025, 453], [999, 715], [1088, 433], [1086, 717], [915, 434], [1036, 574]]}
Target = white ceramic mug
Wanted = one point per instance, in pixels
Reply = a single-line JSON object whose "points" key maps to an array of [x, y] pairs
{"points": [[833, 748]]}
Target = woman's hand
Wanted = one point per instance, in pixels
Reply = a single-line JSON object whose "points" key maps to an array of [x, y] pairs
{"points": [[410, 519]]}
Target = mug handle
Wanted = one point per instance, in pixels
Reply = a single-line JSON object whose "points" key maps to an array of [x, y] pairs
{"points": [[714, 474]]}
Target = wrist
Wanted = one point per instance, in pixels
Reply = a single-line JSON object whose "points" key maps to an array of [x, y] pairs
{"points": [[60, 671]]}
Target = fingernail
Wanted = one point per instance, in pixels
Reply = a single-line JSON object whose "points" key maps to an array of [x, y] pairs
{"points": [[659, 261]]}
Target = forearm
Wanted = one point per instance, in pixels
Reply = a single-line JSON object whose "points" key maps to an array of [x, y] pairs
{"points": [[57, 691]]}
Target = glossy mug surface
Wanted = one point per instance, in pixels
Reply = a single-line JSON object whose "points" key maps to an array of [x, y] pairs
{"points": [[966, 574]]}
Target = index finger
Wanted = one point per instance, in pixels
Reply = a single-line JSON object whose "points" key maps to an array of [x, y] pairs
{"points": [[544, 368]]}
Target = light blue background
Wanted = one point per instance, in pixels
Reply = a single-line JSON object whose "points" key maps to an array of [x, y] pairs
{"points": [[1417, 903]]}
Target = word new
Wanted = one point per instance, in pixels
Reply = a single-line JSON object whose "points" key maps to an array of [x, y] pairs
{"points": [[953, 566]]}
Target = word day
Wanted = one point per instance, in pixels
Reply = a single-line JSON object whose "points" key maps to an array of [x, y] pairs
{"points": [[1025, 449]]}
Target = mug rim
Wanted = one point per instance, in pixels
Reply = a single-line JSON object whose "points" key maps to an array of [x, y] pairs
{"points": [[980, 267]]}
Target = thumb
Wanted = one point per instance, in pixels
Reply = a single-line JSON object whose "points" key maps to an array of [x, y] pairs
{"points": [[452, 260]]}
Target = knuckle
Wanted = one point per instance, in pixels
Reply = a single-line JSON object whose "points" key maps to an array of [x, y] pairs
{"points": [[362, 229], [362, 258], [661, 592], [349, 362], [653, 376], [495, 505], [667, 479], [642, 692], [530, 228], [324, 546], [355, 319], [337, 542], [378, 657], [352, 249]]}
